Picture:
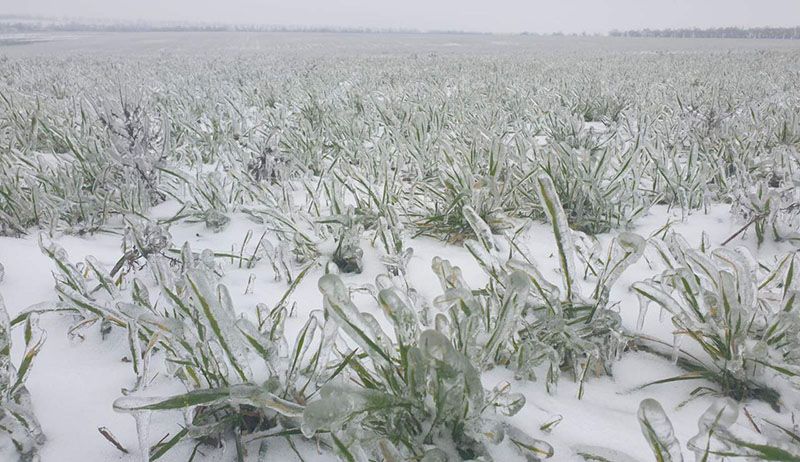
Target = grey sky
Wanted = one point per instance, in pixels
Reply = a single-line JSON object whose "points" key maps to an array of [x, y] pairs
{"points": [[487, 15]]}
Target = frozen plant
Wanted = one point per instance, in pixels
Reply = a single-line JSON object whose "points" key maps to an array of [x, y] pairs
{"points": [[414, 397], [540, 322], [485, 182], [214, 354], [773, 212], [348, 224], [143, 240], [714, 442], [746, 328], [17, 420], [598, 180]]}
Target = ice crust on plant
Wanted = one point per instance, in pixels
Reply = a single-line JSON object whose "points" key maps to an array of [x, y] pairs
{"points": [[17, 419], [351, 157], [527, 320], [417, 392], [747, 328]]}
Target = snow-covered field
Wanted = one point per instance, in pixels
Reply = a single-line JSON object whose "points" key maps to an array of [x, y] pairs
{"points": [[373, 158]]}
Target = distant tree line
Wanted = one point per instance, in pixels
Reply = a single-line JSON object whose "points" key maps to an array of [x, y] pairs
{"points": [[22, 24], [791, 33]]}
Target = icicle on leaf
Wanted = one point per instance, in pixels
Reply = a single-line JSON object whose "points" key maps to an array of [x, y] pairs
{"points": [[625, 250], [511, 306], [649, 293]]}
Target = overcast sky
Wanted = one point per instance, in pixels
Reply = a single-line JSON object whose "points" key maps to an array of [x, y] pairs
{"points": [[475, 15]]}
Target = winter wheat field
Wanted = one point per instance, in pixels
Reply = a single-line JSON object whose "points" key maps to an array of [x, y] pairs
{"points": [[366, 247]]}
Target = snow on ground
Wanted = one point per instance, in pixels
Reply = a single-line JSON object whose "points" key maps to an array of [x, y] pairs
{"points": [[77, 377]]}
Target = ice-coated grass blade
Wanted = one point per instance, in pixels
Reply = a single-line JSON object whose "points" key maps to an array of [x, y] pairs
{"points": [[561, 230], [338, 304], [657, 429], [220, 320]]}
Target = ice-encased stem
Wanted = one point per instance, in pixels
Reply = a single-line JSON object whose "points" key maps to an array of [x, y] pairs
{"points": [[563, 234]]}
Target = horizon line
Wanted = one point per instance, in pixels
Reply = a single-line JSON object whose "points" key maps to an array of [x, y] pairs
{"points": [[175, 25]]}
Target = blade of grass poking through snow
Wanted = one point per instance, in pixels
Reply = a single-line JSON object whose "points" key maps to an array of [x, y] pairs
{"points": [[162, 448], [292, 287], [112, 439], [16, 416], [34, 339], [601, 454], [657, 429], [301, 346], [563, 234]]}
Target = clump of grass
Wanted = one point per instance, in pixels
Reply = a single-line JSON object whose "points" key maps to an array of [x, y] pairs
{"points": [[77, 170], [529, 320], [747, 329], [202, 342], [771, 210], [214, 354], [414, 397], [485, 183]]}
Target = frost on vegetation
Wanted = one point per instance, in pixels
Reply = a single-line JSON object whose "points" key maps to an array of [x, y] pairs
{"points": [[772, 208], [715, 439], [523, 320], [348, 154], [73, 170], [194, 329], [437, 136], [412, 397], [17, 419], [143, 240], [214, 353], [598, 176], [745, 319], [658, 431], [481, 181]]}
